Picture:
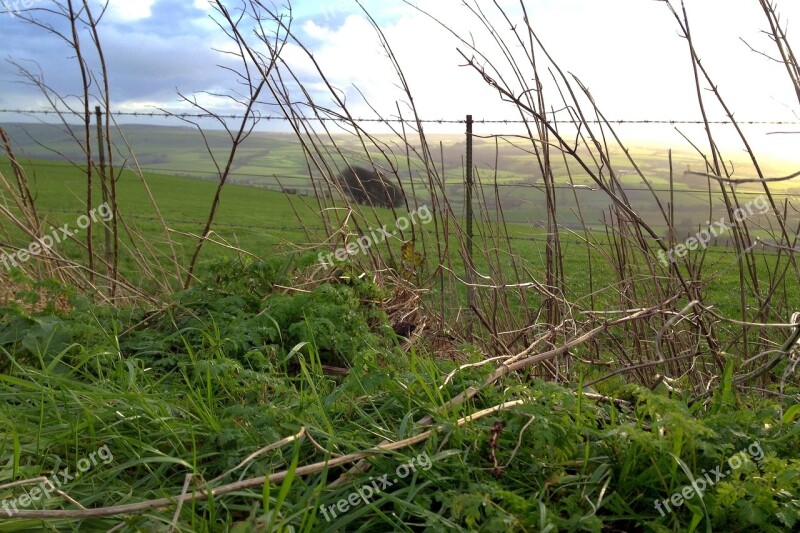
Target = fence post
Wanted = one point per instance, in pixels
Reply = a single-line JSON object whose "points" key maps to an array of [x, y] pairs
{"points": [[468, 265], [101, 153]]}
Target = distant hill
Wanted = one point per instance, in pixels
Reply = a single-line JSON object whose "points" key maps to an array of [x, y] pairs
{"points": [[271, 160]]}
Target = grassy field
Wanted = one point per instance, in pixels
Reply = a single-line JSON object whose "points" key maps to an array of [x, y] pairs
{"points": [[263, 223], [226, 385], [267, 158]]}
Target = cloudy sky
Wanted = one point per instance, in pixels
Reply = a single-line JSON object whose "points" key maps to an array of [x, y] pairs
{"points": [[627, 52]]}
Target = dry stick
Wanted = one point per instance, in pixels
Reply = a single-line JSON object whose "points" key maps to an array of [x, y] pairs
{"points": [[778, 246], [209, 238], [779, 37], [258, 453], [45, 480], [601, 398], [785, 349], [135, 508], [178, 509], [106, 130], [241, 134], [317, 445], [73, 17], [22, 197], [638, 366], [23, 482], [744, 180], [519, 442], [713, 313], [452, 374], [660, 335], [222, 181], [25, 200]]}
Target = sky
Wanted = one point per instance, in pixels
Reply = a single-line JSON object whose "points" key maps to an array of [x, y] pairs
{"points": [[628, 53]]}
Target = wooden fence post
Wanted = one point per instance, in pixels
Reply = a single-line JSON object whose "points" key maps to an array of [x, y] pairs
{"points": [[101, 152], [468, 264]]}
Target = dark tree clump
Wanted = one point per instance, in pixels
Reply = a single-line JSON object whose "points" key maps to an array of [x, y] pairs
{"points": [[367, 186]]}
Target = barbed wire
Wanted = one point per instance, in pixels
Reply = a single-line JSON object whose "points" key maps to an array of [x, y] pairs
{"points": [[163, 114]]}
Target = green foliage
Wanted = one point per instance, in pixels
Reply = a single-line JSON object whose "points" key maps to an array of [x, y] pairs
{"points": [[235, 364]]}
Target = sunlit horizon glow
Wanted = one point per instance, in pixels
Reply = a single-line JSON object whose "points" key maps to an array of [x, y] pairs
{"points": [[628, 53]]}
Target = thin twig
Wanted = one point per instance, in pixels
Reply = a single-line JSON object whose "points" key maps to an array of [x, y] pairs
{"points": [[140, 507], [259, 453], [743, 180], [177, 514]]}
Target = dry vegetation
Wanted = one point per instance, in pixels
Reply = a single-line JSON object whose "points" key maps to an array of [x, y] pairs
{"points": [[444, 291]]}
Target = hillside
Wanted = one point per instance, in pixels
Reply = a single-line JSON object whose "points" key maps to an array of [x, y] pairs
{"points": [[275, 160]]}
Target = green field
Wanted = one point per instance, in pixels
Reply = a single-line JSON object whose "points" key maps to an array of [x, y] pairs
{"points": [[223, 386], [264, 223], [269, 160]]}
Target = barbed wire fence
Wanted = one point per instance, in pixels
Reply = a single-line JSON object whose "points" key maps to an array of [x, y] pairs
{"points": [[720, 244], [177, 114], [181, 115], [438, 121]]}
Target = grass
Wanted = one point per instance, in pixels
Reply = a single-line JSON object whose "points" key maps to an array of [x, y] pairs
{"points": [[235, 366], [181, 151], [263, 223]]}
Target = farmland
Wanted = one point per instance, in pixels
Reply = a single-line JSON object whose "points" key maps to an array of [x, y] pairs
{"points": [[275, 160], [255, 217]]}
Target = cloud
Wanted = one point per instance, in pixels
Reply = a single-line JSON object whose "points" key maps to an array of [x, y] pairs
{"points": [[627, 52], [353, 60], [130, 11]]}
